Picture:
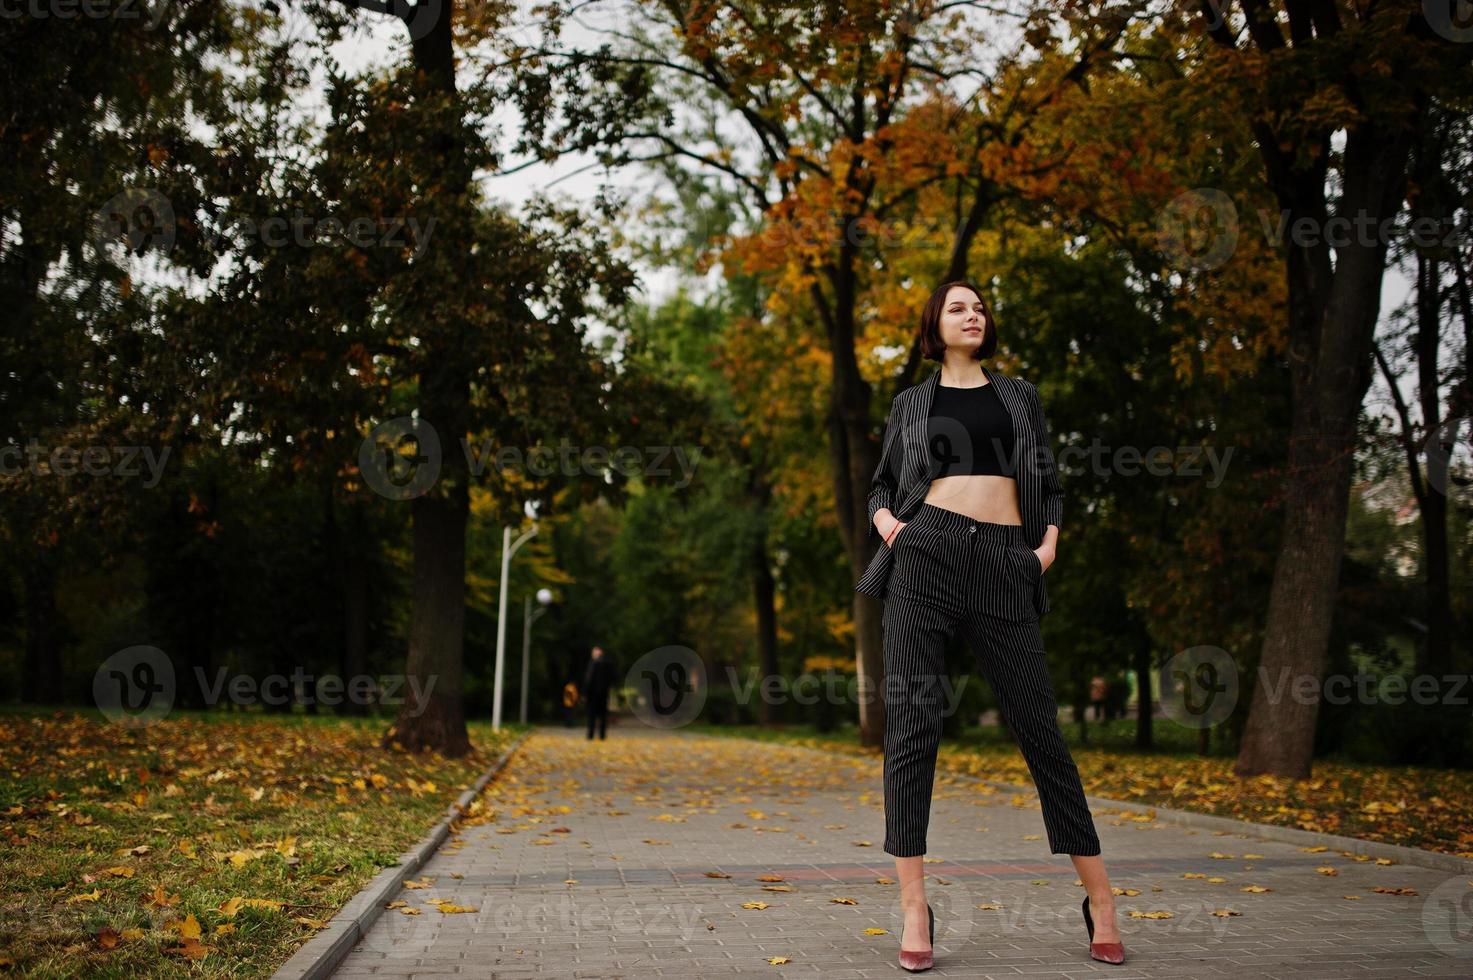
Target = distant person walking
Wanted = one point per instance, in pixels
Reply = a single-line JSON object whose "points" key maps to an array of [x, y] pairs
{"points": [[598, 679], [1097, 690], [570, 703]]}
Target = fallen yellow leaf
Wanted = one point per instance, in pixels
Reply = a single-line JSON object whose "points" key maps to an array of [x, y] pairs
{"points": [[188, 927], [451, 908], [191, 949]]}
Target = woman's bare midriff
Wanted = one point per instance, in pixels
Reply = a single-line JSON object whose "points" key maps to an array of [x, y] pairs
{"points": [[982, 498]]}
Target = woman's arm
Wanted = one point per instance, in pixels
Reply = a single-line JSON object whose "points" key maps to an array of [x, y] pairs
{"points": [[883, 484], [1053, 492]]}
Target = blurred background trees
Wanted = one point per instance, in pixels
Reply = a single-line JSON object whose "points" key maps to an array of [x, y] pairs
{"points": [[779, 189]]}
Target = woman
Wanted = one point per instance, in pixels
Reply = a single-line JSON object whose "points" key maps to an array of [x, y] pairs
{"points": [[969, 505]]}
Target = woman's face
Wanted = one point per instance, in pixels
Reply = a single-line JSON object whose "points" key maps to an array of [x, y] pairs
{"points": [[963, 324]]}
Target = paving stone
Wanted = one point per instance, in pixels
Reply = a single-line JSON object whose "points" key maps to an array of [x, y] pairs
{"points": [[584, 811]]}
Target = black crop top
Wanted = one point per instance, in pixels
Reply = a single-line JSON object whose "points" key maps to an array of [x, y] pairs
{"points": [[969, 432]]}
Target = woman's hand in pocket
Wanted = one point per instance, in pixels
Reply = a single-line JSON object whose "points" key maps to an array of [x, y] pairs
{"points": [[1045, 556], [896, 533]]}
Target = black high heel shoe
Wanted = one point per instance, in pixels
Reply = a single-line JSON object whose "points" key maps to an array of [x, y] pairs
{"points": [[916, 962], [1104, 952]]}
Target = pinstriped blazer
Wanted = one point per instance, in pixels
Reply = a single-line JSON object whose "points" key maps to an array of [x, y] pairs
{"points": [[1040, 498]]}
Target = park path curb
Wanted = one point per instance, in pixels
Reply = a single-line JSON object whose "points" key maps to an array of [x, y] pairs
{"points": [[320, 955], [1206, 821]]}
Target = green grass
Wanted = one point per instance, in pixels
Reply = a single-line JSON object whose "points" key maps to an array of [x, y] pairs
{"points": [[112, 840]]}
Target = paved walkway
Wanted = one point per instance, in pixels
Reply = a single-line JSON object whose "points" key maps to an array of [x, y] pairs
{"points": [[634, 857]]}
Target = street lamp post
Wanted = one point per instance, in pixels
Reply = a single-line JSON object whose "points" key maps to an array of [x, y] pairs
{"points": [[529, 616], [508, 548]]}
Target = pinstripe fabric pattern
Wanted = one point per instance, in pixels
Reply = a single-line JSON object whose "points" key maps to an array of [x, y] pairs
{"points": [[1040, 497], [945, 571], [953, 572]]}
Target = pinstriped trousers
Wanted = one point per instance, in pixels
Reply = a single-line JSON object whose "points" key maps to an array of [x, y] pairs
{"points": [[952, 571]]}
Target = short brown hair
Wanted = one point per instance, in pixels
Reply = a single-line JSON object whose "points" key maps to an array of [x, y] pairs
{"points": [[932, 346]]}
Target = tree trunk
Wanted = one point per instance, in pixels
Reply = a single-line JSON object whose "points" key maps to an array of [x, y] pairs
{"points": [[849, 427], [433, 718], [854, 456], [1144, 735], [41, 683], [1330, 362], [353, 579], [1435, 200], [763, 593], [1436, 654]]}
